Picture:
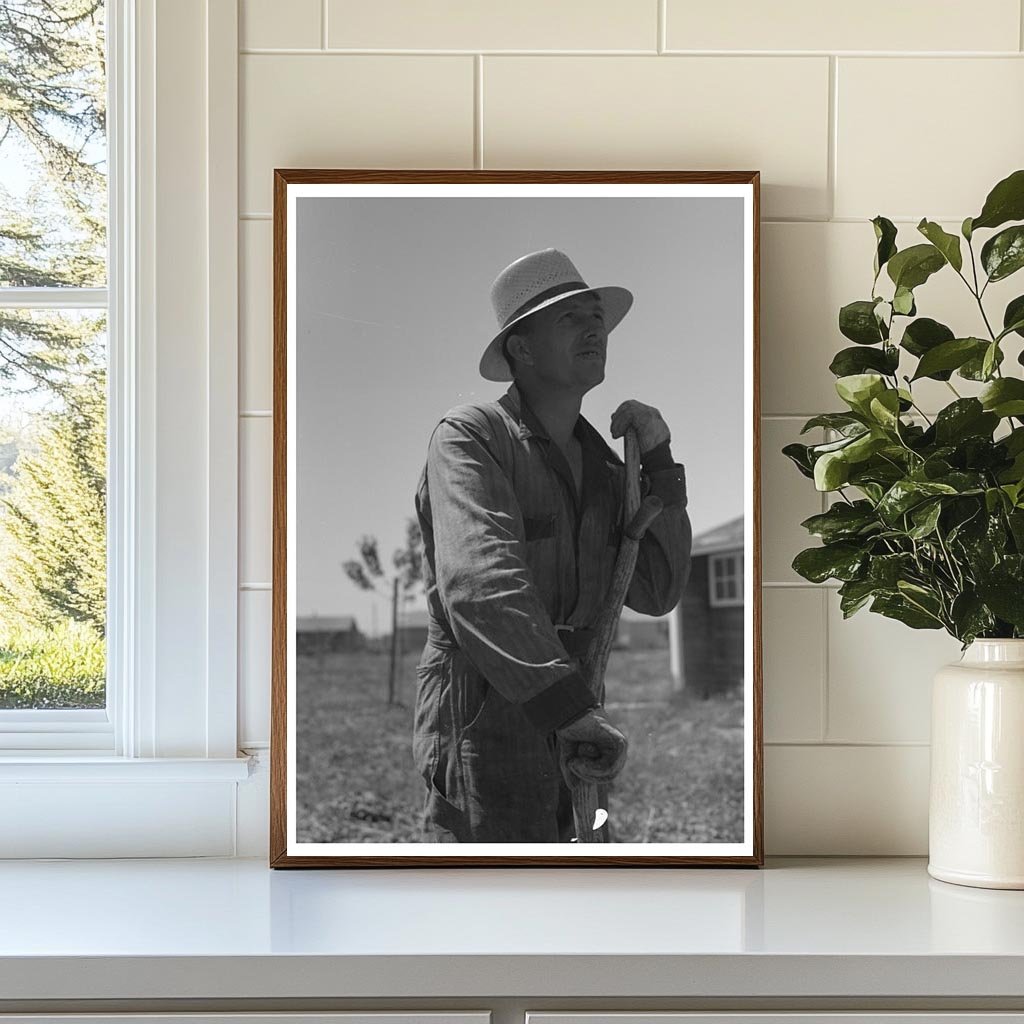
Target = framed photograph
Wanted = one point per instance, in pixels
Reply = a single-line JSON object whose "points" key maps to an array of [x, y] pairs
{"points": [[516, 559]]}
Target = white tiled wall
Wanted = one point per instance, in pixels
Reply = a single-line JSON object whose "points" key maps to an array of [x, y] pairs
{"points": [[909, 110]]}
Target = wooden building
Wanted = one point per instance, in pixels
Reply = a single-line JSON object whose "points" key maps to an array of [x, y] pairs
{"points": [[319, 634], [637, 632], [412, 629], [706, 628]]}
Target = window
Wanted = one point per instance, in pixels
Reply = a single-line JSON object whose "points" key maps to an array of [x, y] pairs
{"points": [[53, 366], [725, 579]]}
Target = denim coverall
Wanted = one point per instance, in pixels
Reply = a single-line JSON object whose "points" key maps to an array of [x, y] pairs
{"points": [[511, 550]]}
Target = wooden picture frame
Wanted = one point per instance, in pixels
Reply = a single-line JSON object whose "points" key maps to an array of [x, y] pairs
{"points": [[380, 301]]}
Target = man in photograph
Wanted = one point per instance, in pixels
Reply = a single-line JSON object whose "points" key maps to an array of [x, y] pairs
{"points": [[520, 504]]}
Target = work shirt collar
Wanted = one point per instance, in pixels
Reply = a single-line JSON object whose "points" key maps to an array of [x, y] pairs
{"points": [[530, 426]]}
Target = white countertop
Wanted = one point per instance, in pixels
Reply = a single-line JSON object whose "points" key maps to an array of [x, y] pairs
{"points": [[234, 928]]}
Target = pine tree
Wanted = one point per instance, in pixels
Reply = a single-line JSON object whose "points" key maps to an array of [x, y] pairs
{"points": [[53, 520], [52, 120], [53, 124]]}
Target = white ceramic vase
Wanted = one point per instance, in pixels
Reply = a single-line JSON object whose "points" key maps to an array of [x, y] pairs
{"points": [[976, 811]]}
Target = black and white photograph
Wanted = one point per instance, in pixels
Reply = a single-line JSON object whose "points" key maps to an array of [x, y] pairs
{"points": [[515, 509]]}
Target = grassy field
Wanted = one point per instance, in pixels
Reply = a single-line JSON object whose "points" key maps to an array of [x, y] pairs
{"points": [[683, 781], [61, 667]]}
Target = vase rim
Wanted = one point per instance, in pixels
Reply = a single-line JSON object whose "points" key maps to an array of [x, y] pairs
{"points": [[994, 651]]}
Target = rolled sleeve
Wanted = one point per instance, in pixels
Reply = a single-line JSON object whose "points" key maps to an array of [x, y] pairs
{"points": [[485, 586]]}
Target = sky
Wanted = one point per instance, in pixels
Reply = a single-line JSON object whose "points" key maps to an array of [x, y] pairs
{"points": [[393, 313]]}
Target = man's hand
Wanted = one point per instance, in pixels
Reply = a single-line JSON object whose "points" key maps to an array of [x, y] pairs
{"points": [[650, 428], [597, 750]]}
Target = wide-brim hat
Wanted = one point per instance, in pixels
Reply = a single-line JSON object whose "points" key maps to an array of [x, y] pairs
{"points": [[536, 281]]}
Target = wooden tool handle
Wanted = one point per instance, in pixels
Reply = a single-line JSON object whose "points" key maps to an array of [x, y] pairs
{"points": [[637, 516]]}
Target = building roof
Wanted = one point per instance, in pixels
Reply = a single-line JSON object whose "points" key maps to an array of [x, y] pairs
{"points": [[727, 537], [326, 624], [414, 618]]}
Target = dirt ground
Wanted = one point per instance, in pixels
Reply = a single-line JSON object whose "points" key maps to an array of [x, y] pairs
{"points": [[355, 782]]}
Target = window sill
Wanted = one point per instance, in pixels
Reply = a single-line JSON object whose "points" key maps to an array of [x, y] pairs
{"points": [[76, 766]]}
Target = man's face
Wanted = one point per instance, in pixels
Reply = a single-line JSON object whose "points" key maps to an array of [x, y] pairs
{"points": [[568, 343]]}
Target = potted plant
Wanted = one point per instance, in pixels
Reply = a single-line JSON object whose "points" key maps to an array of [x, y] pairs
{"points": [[927, 521]]}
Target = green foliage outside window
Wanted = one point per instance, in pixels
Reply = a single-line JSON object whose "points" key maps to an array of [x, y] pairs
{"points": [[53, 212]]}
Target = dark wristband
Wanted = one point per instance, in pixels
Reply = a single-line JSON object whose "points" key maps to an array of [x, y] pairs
{"points": [[563, 701]]}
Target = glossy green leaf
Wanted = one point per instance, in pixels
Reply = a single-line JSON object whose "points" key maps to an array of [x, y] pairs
{"points": [[903, 302], [904, 495], [1004, 397], [971, 617], [887, 570], [925, 518], [840, 561], [990, 360], [1003, 254], [885, 409], [966, 417], [912, 267], [857, 322], [831, 471], [923, 335], [885, 237], [799, 455], [858, 389], [974, 368], [841, 421], [949, 355], [965, 228], [947, 244], [1013, 317], [864, 446], [1015, 520], [899, 608], [843, 521], [1005, 596], [1014, 441], [1005, 202], [850, 361], [854, 594]]}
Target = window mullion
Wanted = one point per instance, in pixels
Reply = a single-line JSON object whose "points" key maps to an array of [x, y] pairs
{"points": [[53, 298]]}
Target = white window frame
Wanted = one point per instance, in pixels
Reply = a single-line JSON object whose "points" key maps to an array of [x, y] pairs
{"points": [[172, 534], [719, 558]]}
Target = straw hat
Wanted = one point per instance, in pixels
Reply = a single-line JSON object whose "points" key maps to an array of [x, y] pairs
{"points": [[533, 282]]}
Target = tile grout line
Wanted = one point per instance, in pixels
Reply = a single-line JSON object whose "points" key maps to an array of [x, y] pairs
{"points": [[824, 723], [662, 41], [846, 744], [258, 215], [478, 111], [833, 134], [323, 25], [256, 51], [1020, 24]]}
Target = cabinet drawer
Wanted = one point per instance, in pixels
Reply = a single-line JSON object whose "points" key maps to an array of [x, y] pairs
{"points": [[790, 1017], [355, 1017]]}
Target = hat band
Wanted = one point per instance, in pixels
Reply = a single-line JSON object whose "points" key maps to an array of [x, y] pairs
{"points": [[536, 300]]}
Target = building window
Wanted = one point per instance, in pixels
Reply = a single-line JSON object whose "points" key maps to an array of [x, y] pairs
{"points": [[53, 360], [725, 579]]}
